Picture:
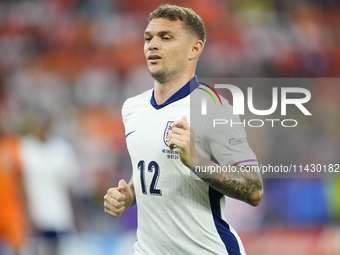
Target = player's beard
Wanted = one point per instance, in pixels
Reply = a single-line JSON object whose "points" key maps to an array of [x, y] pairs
{"points": [[164, 74]]}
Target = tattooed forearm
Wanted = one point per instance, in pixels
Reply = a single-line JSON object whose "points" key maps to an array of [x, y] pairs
{"points": [[245, 186]]}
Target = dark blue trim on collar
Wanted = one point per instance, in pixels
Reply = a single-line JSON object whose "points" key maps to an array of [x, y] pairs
{"points": [[183, 92]]}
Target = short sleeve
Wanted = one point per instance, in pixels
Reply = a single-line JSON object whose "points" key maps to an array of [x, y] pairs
{"points": [[224, 137]]}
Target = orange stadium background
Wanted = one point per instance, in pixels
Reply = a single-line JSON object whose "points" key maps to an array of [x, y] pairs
{"points": [[77, 61]]}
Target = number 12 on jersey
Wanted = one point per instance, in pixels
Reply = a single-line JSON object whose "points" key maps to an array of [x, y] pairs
{"points": [[152, 167]]}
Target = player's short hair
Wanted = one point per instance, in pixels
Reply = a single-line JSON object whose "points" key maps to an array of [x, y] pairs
{"points": [[192, 22]]}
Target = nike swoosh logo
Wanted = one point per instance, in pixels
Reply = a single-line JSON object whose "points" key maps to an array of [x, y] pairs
{"points": [[130, 133]]}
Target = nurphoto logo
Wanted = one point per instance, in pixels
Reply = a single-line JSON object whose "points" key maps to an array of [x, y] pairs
{"points": [[239, 105]]}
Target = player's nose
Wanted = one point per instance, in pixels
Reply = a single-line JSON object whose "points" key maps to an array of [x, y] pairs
{"points": [[153, 45]]}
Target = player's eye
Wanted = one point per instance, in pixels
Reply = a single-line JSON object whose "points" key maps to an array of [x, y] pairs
{"points": [[166, 38], [147, 39]]}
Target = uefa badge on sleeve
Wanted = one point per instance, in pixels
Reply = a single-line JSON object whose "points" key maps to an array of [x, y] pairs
{"points": [[237, 141]]}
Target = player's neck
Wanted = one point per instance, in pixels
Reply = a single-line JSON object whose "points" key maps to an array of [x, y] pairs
{"points": [[163, 92]]}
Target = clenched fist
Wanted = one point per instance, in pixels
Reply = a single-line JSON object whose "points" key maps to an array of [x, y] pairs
{"points": [[118, 200]]}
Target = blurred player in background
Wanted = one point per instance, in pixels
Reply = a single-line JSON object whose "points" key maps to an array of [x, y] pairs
{"points": [[13, 222], [50, 169], [177, 213]]}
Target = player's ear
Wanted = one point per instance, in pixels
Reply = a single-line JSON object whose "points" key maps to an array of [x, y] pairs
{"points": [[196, 49]]}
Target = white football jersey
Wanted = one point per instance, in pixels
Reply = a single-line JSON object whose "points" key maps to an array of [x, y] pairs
{"points": [[178, 213]]}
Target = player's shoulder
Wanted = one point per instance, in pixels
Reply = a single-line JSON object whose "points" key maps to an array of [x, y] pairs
{"points": [[139, 99], [213, 101], [133, 103]]}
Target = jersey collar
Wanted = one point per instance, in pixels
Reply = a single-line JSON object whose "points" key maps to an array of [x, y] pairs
{"points": [[181, 93]]}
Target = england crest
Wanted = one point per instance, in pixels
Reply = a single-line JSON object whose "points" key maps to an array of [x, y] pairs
{"points": [[167, 130]]}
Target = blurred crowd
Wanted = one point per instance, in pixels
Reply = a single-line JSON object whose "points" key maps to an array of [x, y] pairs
{"points": [[67, 66]]}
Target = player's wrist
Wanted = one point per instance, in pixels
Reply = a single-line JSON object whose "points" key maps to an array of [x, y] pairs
{"points": [[194, 160], [132, 197]]}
